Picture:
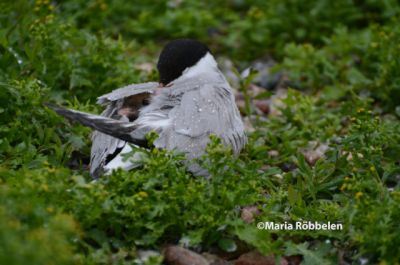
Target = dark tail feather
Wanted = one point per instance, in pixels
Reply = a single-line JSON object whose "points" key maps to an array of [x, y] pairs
{"points": [[115, 128]]}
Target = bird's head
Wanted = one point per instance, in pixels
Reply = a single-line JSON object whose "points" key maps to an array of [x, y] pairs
{"points": [[177, 56]]}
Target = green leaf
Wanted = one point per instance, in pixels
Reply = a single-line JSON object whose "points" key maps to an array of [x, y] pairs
{"points": [[293, 196], [227, 244], [263, 95], [310, 257]]}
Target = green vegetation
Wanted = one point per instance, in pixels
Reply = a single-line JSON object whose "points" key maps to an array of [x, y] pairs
{"points": [[341, 60]]}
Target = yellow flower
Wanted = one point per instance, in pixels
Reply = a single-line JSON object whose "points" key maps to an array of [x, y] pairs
{"points": [[49, 18], [103, 6], [142, 194], [45, 187]]}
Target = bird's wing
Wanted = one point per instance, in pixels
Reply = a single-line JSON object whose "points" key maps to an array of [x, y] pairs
{"points": [[104, 147], [130, 99], [127, 91], [119, 129], [110, 134], [208, 109]]}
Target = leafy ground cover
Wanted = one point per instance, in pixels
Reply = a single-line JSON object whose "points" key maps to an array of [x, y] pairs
{"points": [[339, 62]]}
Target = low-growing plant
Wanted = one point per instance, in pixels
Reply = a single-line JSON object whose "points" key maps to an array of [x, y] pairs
{"points": [[340, 61]]}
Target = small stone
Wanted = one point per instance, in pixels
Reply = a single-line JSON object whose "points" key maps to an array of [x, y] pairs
{"points": [[240, 102], [295, 259], [248, 213], [255, 258], [147, 67], [313, 155], [273, 153], [248, 126], [214, 259], [263, 105], [264, 78], [146, 255], [276, 102], [255, 90], [288, 166], [175, 255]]}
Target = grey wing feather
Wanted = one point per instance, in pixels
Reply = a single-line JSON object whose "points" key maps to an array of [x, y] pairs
{"points": [[216, 113], [111, 127], [127, 91], [116, 128], [209, 109], [104, 145]]}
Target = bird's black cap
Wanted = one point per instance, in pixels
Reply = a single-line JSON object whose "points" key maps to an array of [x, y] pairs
{"points": [[178, 55]]}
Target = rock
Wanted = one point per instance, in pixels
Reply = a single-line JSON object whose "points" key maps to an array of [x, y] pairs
{"points": [[264, 77], [240, 103], [294, 260], [248, 213], [248, 126], [214, 259], [146, 255], [273, 153], [146, 67], [255, 258], [175, 255], [254, 90], [262, 105], [287, 166], [313, 155], [276, 102]]}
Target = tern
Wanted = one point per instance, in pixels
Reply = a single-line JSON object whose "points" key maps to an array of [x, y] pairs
{"points": [[191, 101]]}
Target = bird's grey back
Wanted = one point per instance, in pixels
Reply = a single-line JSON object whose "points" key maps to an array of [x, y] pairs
{"points": [[196, 108]]}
